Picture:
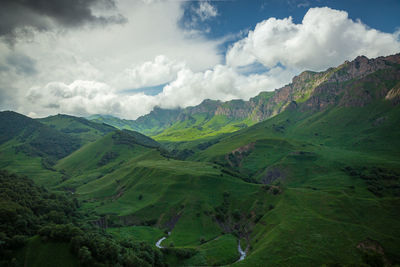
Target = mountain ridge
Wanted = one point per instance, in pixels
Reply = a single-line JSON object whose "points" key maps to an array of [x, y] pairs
{"points": [[308, 87]]}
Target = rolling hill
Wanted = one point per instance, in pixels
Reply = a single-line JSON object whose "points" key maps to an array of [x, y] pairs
{"points": [[80, 128], [130, 183], [30, 148]]}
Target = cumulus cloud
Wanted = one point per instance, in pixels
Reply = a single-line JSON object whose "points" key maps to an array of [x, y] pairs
{"points": [[220, 83], [159, 71], [188, 89], [325, 38], [86, 97]]}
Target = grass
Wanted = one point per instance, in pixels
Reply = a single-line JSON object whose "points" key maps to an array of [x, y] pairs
{"points": [[151, 189], [80, 128], [321, 205], [22, 164], [202, 127], [219, 251], [137, 233]]}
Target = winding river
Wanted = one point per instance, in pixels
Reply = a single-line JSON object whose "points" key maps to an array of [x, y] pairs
{"points": [[158, 244]]}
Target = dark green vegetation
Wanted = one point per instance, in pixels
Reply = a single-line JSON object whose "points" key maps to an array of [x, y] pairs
{"points": [[40, 228], [318, 183]]}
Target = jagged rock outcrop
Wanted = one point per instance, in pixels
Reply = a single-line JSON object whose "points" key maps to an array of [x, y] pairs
{"points": [[394, 94]]}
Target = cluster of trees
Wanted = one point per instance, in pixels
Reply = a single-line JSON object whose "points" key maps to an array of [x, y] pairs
{"points": [[126, 137], [380, 181], [26, 207], [107, 158], [95, 248], [75, 130], [28, 210]]}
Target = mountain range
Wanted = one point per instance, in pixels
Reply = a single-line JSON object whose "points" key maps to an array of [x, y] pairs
{"points": [[213, 117]]}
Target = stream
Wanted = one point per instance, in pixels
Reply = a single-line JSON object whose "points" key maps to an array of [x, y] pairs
{"points": [[241, 252], [158, 244]]}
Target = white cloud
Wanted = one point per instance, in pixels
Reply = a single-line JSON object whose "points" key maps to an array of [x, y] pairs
{"points": [[85, 71], [188, 89], [86, 97], [102, 53], [325, 38], [206, 11], [220, 83], [200, 14], [124, 56], [159, 71]]}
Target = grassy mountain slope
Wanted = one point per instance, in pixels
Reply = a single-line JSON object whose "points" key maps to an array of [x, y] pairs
{"points": [[30, 148], [200, 127], [336, 157], [130, 184], [340, 174], [80, 128], [113, 121], [103, 156]]}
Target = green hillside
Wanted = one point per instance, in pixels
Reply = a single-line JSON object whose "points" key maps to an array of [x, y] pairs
{"points": [[137, 185], [113, 121], [30, 148], [340, 173], [346, 168], [199, 126], [80, 128], [43, 228], [102, 157]]}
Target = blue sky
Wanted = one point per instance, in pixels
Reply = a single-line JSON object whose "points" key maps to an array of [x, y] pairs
{"points": [[129, 57], [237, 15]]}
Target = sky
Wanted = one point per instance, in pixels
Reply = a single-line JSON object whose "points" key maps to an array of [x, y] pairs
{"points": [[125, 57]]}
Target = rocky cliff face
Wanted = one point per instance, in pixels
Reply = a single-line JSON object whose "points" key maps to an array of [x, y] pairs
{"points": [[354, 83]]}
